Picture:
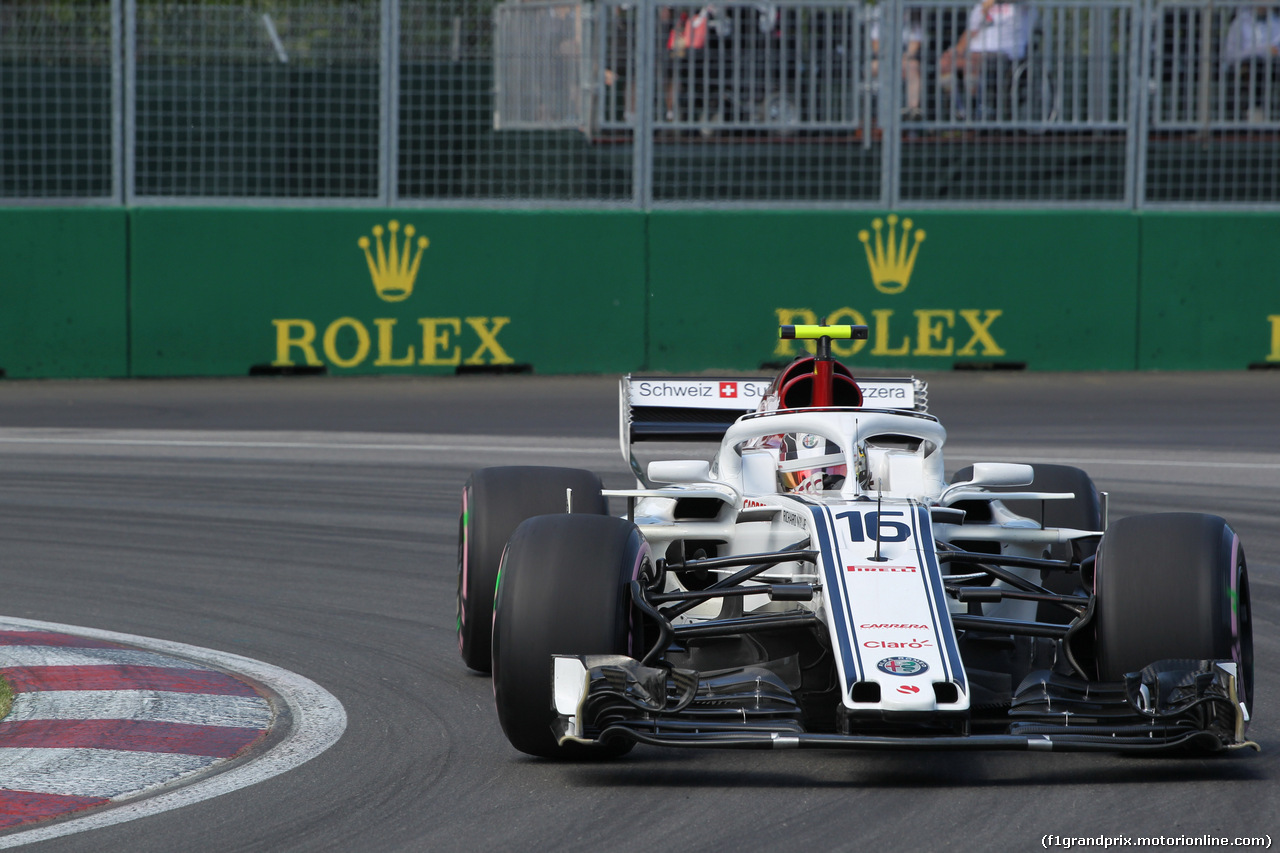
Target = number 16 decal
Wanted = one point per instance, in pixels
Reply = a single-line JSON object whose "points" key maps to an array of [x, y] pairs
{"points": [[890, 531]]}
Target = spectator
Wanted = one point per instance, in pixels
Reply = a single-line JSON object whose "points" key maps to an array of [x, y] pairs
{"points": [[697, 53], [686, 40], [1252, 53], [912, 35], [996, 30], [619, 76]]}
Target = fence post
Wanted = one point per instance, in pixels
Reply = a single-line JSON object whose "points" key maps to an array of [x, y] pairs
{"points": [[642, 134], [389, 104], [889, 84], [117, 102], [1140, 106], [129, 41]]}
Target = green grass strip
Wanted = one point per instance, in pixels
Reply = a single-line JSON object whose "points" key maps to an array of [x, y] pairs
{"points": [[6, 697]]}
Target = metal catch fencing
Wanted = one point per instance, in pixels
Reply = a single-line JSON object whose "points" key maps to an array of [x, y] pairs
{"points": [[641, 104]]}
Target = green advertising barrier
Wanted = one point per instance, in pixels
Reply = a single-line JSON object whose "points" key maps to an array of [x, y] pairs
{"points": [[1048, 291], [63, 286], [224, 292], [1210, 291]]}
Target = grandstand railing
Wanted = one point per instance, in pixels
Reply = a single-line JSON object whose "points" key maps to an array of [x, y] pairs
{"points": [[640, 104]]}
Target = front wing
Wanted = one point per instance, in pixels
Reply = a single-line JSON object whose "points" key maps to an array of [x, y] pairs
{"points": [[1167, 706]]}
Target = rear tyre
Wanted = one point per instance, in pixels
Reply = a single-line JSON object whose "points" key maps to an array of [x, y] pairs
{"points": [[564, 589], [494, 502], [1173, 585]]}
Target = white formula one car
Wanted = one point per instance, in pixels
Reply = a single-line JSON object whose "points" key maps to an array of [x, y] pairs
{"points": [[819, 583]]}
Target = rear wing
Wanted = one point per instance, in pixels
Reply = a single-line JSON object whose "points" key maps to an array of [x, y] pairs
{"points": [[702, 408]]}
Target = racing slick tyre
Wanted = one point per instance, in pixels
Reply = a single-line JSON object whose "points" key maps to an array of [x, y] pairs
{"points": [[1083, 512], [1172, 585], [494, 502], [564, 589]]}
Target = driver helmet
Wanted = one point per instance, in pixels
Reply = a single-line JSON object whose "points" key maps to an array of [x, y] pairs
{"points": [[809, 463]]}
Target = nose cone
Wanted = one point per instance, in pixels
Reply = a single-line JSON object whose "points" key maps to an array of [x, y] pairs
{"points": [[908, 697], [902, 695]]}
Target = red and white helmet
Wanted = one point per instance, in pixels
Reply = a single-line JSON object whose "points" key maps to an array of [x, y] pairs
{"points": [[809, 463]]}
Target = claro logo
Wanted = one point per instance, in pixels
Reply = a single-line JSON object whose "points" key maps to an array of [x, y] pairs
{"points": [[348, 342], [892, 644]]}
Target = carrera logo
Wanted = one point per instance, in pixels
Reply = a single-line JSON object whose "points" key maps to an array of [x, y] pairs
{"points": [[889, 644], [753, 504], [887, 569], [895, 625], [728, 389], [909, 689]]}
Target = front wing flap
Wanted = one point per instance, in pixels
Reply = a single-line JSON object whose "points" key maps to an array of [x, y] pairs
{"points": [[1167, 706]]}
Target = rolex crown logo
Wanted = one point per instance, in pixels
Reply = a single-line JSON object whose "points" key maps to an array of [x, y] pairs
{"points": [[889, 260], [391, 268]]}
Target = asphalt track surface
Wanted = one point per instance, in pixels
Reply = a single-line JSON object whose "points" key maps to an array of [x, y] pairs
{"points": [[311, 523]]}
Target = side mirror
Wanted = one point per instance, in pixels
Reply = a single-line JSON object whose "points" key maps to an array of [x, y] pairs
{"points": [[680, 471], [992, 474], [1002, 474]]}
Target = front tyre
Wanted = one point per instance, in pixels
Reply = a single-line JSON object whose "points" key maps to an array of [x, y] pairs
{"points": [[1173, 585], [564, 589], [494, 502]]}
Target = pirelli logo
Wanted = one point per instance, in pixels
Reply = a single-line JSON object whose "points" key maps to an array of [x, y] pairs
{"points": [[885, 569]]}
